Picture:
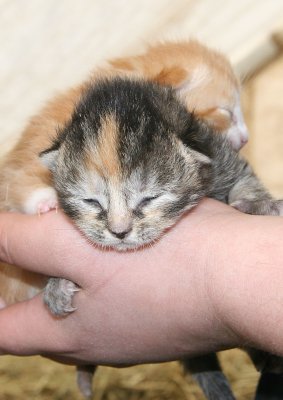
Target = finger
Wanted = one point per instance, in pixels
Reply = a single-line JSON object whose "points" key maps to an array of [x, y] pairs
{"points": [[41, 244], [29, 329]]}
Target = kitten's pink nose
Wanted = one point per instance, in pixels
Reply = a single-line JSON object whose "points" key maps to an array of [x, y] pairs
{"points": [[120, 226], [120, 235]]}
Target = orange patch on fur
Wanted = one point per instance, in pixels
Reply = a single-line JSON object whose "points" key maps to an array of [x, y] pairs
{"points": [[104, 157], [17, 284], [122, 63]]}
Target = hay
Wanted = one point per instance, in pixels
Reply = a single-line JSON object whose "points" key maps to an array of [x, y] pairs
{"points": [[36, 378]]}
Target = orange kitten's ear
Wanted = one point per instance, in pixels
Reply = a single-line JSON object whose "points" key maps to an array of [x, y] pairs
{"points": [[49, 157], [172, 76]]}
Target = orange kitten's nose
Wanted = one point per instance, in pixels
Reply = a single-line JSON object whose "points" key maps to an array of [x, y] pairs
{"points": [[120, 235]]}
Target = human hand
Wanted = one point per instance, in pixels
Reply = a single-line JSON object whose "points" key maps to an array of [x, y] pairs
{"points": [[213, 282]]}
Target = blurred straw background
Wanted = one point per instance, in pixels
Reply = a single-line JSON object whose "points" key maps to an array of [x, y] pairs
{"points": [[47, 46]]}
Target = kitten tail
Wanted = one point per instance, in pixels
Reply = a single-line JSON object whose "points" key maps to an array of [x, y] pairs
{"points": [[206, 371]]}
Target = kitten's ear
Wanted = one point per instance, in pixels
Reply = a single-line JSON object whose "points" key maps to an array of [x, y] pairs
{"points": [[171, 76], [201, 158], [191, 155], [49, 157]]}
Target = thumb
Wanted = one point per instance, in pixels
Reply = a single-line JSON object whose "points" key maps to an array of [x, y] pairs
{"points": [[29, 329]]}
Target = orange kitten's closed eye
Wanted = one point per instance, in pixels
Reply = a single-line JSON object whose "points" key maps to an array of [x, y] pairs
{"points": [[219, 118]]}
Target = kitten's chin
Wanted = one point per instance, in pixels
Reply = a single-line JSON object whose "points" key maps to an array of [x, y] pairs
{"points": [[131, 246], [117, 245], [126, 246]]}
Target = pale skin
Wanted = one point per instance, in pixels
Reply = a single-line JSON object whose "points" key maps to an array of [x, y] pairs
{"points": [[212, 282]]}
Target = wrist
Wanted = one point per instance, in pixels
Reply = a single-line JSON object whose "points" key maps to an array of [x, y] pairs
{"points": [[246, 286]]}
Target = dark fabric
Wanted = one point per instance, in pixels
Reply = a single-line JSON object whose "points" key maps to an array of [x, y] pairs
{"points": [[270, 387]]}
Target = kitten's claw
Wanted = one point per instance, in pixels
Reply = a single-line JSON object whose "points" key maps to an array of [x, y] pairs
{"points": [[58, 295], [259, 207]]}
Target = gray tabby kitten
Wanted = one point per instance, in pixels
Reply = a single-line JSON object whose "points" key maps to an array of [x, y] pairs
{"points": [[127, 166]]}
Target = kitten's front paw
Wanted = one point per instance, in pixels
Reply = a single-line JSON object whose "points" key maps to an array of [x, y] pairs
{"points": [[41, 201], [58, 295], [259, 207], [47, 205]]}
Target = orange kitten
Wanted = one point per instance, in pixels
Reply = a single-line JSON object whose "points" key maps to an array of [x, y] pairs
{"points": [[203, 78]]}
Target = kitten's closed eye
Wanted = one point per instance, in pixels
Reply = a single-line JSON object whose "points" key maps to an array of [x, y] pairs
{"points": [[225, 112], [219, 118], [93, 202], [146, 200]]}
